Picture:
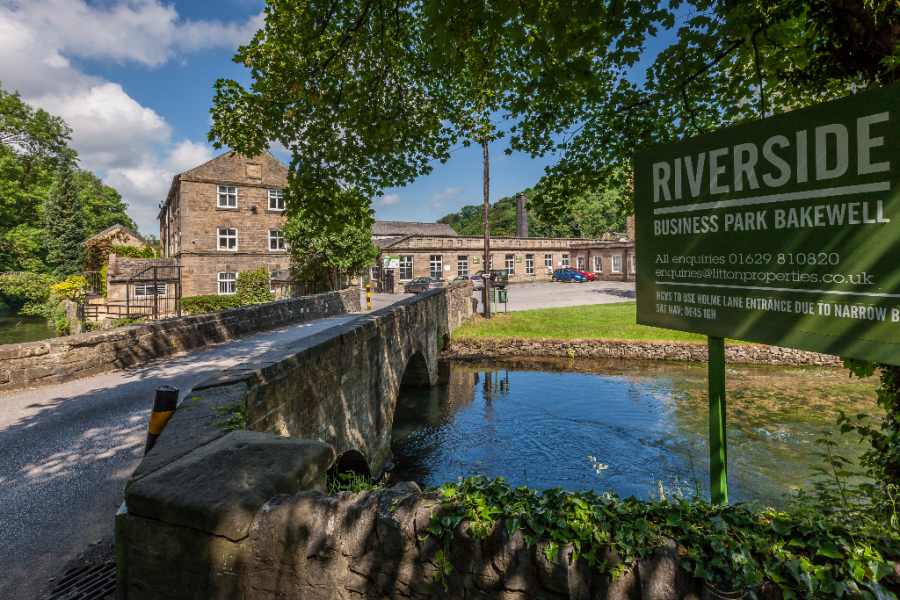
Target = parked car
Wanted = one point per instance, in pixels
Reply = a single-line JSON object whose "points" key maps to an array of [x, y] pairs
{"points": [[423, 284], [570, 275], [590, 276], [476, 281], [499, 278]]}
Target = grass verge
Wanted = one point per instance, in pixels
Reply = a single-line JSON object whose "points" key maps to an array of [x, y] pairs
{"points": [[615, 321]]}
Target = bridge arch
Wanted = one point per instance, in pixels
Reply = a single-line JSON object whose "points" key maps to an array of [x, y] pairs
{"points": [[341, 386]]}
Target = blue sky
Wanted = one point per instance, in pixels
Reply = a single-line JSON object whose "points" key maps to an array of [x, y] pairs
{"points": [[134, 80]]}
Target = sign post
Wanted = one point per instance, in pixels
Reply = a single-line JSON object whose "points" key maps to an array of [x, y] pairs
{"points": [[718, 447], [782, 231]]}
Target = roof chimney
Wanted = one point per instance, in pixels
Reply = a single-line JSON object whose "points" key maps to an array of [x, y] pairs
{"points": [[521, 217]]}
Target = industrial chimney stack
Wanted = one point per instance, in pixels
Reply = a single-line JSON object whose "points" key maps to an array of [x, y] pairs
{"points": [[521, 217]]}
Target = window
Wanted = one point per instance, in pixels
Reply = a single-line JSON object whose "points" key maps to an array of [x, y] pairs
{"points": [[227, 196], [227, 283], [437, 265], [462, 265], [529, 264], [276, 200], [491, 263], [276, 240], [580, 262], [598, 264], [632, 263], [565, 261], [616, 263], [511, 264], [406, 268], [548, 261], [146, 290], [272, 275], [227, 238]]}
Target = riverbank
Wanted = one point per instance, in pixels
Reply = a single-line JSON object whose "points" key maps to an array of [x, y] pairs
{"points": [[613, 321], [605, 331]]}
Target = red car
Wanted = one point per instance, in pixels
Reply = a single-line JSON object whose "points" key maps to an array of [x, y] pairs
{"points": [[588, 276]]}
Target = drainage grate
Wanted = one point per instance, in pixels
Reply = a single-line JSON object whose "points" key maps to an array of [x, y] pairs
{"points": [[87, 582]]}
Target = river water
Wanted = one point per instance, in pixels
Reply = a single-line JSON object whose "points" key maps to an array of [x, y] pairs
{"points": [[16, 328], [537, 421]]}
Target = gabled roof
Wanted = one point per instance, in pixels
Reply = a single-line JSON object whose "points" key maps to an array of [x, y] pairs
{"points": [[112, 228], [398, 228], [222, 170]]}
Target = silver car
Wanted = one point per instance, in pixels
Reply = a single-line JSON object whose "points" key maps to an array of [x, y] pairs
{"points": [[423, 284], [476, 281]]}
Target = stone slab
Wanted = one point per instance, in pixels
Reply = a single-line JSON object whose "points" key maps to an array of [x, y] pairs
{"points": [[219, 488]]}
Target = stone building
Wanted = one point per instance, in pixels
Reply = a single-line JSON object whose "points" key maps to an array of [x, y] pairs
{"points": [[421, 253], [120, 236], [223, 217]]}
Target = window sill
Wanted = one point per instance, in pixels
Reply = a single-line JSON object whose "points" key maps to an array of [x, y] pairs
{"points": [[227, 250], [275, 211], [228, 208], [281, 250]]}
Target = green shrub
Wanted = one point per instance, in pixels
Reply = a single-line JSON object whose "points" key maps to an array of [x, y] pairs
{"points": [[253, 287], [30, 289], [70, 289], [196, 305], [126, 321], [90, 326]]}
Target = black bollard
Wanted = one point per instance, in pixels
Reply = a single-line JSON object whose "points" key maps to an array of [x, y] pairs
{"points": [[164, 402]]}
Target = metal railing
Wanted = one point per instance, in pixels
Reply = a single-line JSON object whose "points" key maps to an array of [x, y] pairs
{"points": [[94, 282], [155, 292]]}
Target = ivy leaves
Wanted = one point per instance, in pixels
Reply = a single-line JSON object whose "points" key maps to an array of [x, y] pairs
{"points": [[733, 548]]}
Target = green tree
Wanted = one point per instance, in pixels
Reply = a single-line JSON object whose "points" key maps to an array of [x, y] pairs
{"points": [[338, 84], [103, 206], [326, 255], [32, 144], [64, 232]]}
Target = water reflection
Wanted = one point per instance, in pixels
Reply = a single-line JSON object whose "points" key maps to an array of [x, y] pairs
{"points": [[16, 328], [537, 421]]}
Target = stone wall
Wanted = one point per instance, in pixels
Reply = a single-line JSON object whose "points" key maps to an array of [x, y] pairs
{"points": [[374, 545], [196, 500], [635, 349], [72, 357]]}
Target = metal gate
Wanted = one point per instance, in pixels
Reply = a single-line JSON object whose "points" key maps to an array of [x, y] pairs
{"points": [[155, 292]]}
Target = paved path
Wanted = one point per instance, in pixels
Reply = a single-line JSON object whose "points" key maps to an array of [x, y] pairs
{"points": [[66, 451], [526, 296]]}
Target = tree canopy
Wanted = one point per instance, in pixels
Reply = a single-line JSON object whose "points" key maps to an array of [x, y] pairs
{"points": [[589, 216], [368, 93], [33, 143]]}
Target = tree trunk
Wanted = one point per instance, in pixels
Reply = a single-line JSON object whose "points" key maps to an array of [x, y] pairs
{"points": [[487, 235]]}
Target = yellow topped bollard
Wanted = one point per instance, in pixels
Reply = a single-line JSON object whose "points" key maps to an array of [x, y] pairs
{"points": [[164, 403]]}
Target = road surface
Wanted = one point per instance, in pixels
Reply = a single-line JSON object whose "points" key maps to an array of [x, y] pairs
{"points": [[67, 450]]}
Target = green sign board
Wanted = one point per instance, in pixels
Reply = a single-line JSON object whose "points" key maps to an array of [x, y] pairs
{"points": [[783, 231]]}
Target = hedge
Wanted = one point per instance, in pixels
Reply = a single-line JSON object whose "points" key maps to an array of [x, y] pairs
{"points": [[209, 303]]}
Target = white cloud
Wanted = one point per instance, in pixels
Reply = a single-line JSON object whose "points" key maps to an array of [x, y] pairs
{"points": [[389, 200], [114, 135], [450, 195], [142, 31]]}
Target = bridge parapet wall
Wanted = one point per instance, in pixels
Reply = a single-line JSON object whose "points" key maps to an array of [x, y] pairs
{"points": [[195, 499], [57, 360]]}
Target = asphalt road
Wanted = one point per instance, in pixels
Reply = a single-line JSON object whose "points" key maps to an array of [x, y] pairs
{"points": [[527, 296], [66, 452]]}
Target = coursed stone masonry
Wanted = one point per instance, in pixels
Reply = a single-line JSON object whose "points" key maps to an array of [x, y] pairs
{"points": [[196, 501], [635, 349], [58, 360]]}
